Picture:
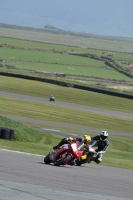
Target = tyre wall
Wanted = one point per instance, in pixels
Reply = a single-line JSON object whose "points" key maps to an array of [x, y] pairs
{"points": [[6, 133]]}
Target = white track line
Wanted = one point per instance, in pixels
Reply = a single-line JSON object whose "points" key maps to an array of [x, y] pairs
{"points": [[21, 152]]}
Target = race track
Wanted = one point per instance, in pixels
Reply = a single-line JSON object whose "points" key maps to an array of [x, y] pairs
{"points": [[26, 177], [68, 105]]}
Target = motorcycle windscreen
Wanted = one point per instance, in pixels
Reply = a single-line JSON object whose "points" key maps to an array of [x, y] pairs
{"points": [[75, 150], [91, 149]]}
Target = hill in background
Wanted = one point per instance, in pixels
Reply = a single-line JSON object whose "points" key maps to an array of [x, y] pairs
{"points": [[54, 30], [53, 35]]}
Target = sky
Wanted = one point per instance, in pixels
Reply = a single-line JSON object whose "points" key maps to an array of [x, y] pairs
{"points": [[101, 17]]}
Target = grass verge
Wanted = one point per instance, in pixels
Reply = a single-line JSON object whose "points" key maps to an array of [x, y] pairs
{"points": [[44, 90], [28, 140], [60, 115]]}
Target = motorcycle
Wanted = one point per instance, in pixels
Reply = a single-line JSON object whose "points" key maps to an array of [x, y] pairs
{"points": [[65, 154], [51, 98]]}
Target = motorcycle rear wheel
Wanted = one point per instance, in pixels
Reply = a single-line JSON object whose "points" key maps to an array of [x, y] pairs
{"points": [[47, 160], [62, 161]]}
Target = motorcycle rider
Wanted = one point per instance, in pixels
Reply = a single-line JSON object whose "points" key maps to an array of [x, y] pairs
{"points": [[64, 141], [51, 98], [84, 142], [85, 139], [103, 143]]}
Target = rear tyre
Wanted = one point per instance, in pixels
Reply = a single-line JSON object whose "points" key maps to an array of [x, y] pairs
{"points": [[62, 161], [47, 160]]}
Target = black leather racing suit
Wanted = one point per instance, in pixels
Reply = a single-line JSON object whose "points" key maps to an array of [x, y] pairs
{"points": [[102, 146]]}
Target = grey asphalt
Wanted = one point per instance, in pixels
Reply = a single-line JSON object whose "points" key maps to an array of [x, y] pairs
{"points": [[26, 177]]}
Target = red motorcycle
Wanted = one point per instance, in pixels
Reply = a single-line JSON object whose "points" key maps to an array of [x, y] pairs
{"points": [[65, 154]]}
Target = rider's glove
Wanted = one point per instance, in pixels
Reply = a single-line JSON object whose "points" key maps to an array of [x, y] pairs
{"points": [[100, 152]]}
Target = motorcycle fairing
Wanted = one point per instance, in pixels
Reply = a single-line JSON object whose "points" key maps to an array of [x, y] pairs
{"points": [[62, 151], [76, 152]]}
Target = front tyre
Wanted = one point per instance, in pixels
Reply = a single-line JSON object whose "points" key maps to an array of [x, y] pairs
{"points": [[62, 161], [78, 162]]}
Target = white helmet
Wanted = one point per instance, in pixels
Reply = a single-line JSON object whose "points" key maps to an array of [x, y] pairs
{"points": [[104, 135]]}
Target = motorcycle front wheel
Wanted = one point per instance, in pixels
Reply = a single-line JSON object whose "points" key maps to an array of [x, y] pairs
{"points": [[80, 162], [62, 161]]}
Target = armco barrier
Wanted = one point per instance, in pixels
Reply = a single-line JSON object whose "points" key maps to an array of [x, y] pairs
{"points": [[64, 84], [128, 96], [55, 82]]}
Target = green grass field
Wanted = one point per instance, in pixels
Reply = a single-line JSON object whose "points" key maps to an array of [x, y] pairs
{"points": [[120, 151], [120, 46], [64, 48], [61, 62], [91, 70], [50, 57]]}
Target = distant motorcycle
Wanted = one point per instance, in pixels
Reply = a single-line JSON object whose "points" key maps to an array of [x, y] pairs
{"points": [[65, 154], [51, 98]]}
